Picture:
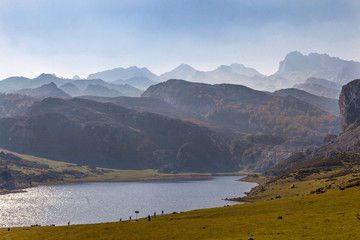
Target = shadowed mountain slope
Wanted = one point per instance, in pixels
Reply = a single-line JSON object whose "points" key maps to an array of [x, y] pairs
{"points": [[152, 105], [246, 110], [323, 103], [107, 135], [320, 87], [46, 90], [337, 150], [14, 104], [141, 83]]}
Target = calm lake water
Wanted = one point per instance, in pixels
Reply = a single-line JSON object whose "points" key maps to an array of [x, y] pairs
{"points": [[82, 203]]}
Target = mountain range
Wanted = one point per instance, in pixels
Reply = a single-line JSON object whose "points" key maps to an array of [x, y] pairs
{"points": [[175, 124], [123, 74], [104, 134], [316, 73], [341, 150], [320, 87], [295, 70], [46, 90], [255, 129], [246, 110], [323, 103], [45, 84]]}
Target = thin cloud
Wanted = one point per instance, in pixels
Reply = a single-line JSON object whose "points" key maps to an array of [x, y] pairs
{"points": [[160, 34]]}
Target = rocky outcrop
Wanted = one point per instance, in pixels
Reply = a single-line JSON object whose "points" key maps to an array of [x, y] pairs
{"points": [[340, 150], [349, 102]]}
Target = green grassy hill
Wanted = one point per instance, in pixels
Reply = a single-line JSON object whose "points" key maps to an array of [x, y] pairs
{"points": [[22, 171]]}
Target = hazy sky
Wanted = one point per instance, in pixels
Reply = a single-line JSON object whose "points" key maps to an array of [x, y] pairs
{"points": [[69, 37]]}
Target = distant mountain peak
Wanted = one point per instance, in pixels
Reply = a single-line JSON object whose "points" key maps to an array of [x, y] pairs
{"points": [[238, 68], [47, 76], [136, 68], [46, 90], [185, 67], [76, 77], [295, 61], [49, 85], [237, 65], [224, 68], [296, 68], [320, 55], [294, 54], [123, 74]]}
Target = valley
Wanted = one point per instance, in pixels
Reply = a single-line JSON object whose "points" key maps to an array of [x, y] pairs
{"points": [[300, 147], [329, 215], [235, 120]]}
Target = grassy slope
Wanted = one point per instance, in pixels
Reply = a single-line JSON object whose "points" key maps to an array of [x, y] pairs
{"points": [[101, 174], [334, 214], [330, 180]]}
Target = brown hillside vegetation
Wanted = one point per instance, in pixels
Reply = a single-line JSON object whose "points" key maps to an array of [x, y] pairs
{"points": [[106, 135], [15, 104], [342, 150], [243, 109]]}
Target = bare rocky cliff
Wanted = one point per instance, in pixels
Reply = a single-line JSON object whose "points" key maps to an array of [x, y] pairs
{"points": [[340, 150], [349, 102]]}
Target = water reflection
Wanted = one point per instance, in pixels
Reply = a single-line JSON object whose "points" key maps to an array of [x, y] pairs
{"points": [[107, 202]]}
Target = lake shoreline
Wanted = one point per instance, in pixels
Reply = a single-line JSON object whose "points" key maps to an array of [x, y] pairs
{"points": [[158, 191], [156, 177]]}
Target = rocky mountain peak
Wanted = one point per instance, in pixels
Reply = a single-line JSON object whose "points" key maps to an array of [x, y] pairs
{"points": [[50, 85], [291, 62], [349, 102], [185, 67], [47, 76], [123, 73]]}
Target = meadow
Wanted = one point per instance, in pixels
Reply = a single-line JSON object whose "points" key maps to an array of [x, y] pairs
{"points": [[300, 213]]}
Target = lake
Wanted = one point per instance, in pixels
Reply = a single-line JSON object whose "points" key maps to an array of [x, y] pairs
{"points": [[82, 203]]}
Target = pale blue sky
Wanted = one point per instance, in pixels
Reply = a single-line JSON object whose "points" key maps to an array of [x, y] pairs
{"points": [[70, 37]]}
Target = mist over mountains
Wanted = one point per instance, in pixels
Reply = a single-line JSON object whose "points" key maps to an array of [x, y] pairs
{"points": [[320, 87], [295, 70], [68, 87], [315, 73], [182, 120], [123, 74]]}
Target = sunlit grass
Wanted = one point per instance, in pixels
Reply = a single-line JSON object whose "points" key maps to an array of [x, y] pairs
{"points": [[332, 215], [101, 174], [304, 186]]}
